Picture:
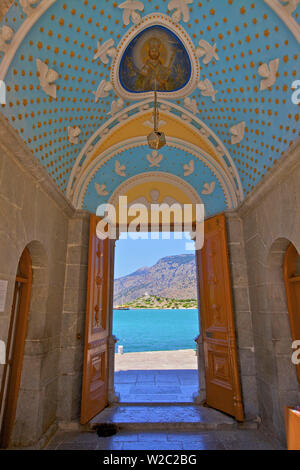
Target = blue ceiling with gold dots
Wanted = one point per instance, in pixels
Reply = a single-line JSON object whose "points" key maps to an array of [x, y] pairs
{"points": [[62, 61]]}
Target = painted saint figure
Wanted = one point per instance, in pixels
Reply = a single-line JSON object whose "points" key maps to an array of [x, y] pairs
{"points": [[154, 75], [155, 59]]}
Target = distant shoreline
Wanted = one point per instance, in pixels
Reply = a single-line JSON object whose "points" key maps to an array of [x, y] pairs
{"points": [[155, 308]]}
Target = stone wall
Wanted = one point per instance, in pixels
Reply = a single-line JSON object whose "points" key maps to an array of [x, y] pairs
{"points": [[33, 215], [271, 220], [73, 319], [243, 314]]}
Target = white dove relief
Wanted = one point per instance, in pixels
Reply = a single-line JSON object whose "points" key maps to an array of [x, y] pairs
{"points": [[73, 134], [6, 35], [154, 159], [237, 132], [209, 188], [101, 189], [189, 168], [269, 74], [130, 13], [47, 77], [207, 89], [207, 51], [120, 169], [105, 51]]}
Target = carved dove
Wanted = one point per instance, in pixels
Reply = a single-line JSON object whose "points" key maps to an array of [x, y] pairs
{"points": [[120, 169], [237, 132], [181, 10], [102, 91], [46, 78], [73, 134], [191, 105], [207, 89], [116, 106], [207, 51], [154, 159], [27, 6], [269, 74], [6, 35], [130, 7], [209, 188], [189, 168], [105, 51], [101, 189]]}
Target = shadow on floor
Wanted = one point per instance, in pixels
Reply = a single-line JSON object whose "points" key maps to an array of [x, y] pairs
{"points": [[156, 386]]}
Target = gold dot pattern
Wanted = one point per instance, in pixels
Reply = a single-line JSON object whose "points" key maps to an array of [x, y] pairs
{"points": [[247, 35]]}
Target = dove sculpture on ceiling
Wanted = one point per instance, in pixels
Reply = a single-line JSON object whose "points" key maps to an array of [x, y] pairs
{"points": [[191, 105], [27, 6], [47, 77], [105, 50], [181, 8], [129, 11], [102, 91], [290, 5], [207, 51], [6, 35], [101, 189], [120, 169], [189, 168], [207, 89], [237, 132], [269, 74], [73, 134], [208, 188], [154, 159]]}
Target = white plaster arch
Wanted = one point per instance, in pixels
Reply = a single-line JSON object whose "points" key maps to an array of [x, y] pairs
{"points": [[172, 110], [158, 176], [283, 13], [21, 34], [87, 175]]}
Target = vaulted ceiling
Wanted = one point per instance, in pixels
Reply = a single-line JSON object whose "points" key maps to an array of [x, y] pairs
{"points": [[232, 124]]}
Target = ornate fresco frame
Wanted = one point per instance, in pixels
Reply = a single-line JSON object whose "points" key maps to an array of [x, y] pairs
{"points": [[156, 19]]}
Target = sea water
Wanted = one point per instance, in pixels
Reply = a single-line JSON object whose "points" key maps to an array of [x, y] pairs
{"points": [[155, 329]]}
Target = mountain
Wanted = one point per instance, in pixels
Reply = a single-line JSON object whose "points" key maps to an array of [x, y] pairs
{"points": [[172, 277]]}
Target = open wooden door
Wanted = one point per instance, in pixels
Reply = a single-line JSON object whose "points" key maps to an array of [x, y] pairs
{"points": [[292, 285], [95, 376], [12, 373], [223, 390]]}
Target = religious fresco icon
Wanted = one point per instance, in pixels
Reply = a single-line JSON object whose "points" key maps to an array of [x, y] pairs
{"points": [[155, 59]]}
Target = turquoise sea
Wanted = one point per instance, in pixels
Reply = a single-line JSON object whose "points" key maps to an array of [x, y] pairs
{"points": [[155, 330]]}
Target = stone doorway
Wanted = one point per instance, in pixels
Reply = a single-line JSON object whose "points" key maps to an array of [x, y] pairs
{"points": [[154, 373]]}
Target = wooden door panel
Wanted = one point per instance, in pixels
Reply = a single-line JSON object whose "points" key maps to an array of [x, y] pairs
{"points": [[94, 386], [220, 353], [292, 285]]}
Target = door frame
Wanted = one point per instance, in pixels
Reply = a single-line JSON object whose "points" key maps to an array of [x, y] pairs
{"points": [[114, 397], [12, 373]]}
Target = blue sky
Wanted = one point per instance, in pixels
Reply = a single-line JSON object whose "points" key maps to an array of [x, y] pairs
{"points": [[134, 254]]}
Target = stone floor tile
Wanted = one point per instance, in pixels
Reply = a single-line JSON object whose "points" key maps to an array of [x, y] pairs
{"points": [[152, 445], [152, 436]]}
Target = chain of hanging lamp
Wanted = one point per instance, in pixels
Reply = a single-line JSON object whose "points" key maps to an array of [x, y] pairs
{"points": [[156, 139]]}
